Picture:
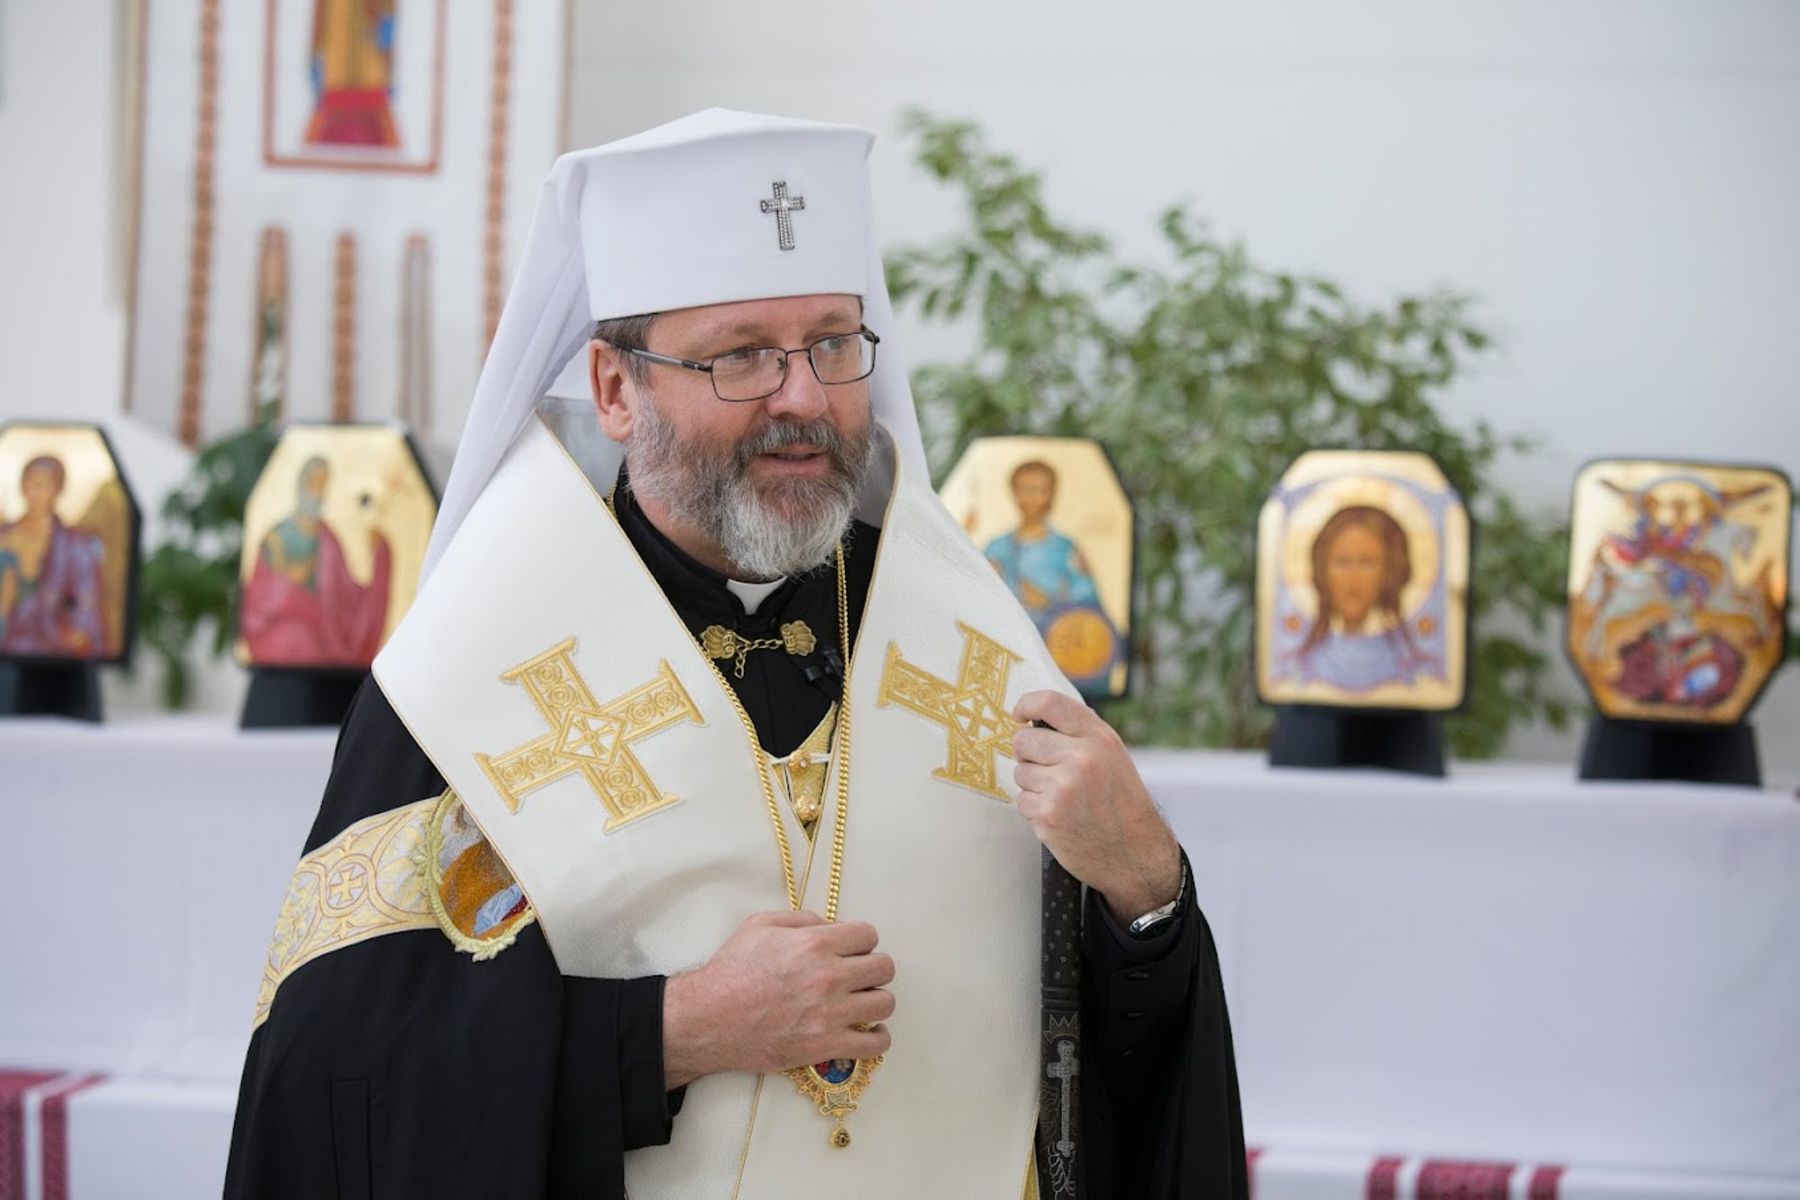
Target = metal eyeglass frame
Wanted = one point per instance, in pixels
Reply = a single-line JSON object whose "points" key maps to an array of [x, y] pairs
{"points": [[707, 367]]}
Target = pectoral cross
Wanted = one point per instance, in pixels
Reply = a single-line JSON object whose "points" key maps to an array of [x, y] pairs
{"points": [[783, 206], [1064, 1070], [971, 710], [589, 738]]}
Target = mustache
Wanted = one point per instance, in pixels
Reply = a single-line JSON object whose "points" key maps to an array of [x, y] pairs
{"points": [[779, 435]]}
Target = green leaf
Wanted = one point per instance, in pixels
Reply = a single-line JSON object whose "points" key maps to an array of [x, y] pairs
{"points": [[189, 581]]}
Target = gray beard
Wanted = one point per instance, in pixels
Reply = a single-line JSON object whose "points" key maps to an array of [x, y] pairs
{"points": [[787, 527]]}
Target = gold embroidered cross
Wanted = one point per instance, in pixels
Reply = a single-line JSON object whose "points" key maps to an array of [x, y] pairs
{"points": [[971, 710], [590, 738], [346, 885]]}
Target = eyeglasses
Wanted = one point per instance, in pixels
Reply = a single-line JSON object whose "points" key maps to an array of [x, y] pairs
{"points": [[757, 372]]}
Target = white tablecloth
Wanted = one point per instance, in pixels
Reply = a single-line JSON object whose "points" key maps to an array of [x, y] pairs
{"points": [[1502, 966], [145, 862], [1505, 965]]}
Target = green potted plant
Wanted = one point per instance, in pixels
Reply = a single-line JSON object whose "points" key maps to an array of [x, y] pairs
{"points": [[1205, 375]]}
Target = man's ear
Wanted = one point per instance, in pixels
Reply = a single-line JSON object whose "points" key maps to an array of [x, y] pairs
{"points": [[608, 377]]}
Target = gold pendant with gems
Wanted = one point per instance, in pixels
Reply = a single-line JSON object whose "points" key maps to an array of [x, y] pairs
{"points": [[836, 1087], [803, 773]]}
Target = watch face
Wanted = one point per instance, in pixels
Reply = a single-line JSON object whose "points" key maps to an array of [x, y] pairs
{"points": [[1151, 924]]}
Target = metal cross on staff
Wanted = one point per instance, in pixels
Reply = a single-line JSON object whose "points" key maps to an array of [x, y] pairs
{"points": [[1064, 1070], [783, 206]]}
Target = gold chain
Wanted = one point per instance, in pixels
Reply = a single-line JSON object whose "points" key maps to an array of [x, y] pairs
{"points": [[841, 754], [745, 649], [719, 642], [830, 1102], [836, 877]]}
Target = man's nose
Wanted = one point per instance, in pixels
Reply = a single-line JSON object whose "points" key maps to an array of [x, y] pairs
{"points": [[801, 395]]}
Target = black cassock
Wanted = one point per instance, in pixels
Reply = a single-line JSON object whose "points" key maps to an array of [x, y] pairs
{"points": [[398, 1067]]}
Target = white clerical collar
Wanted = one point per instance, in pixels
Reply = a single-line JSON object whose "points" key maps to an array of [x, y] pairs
{"points": [[751, 595]]}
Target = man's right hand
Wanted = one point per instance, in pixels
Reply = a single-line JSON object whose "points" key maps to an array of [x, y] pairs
{"points": [[785, 990]]}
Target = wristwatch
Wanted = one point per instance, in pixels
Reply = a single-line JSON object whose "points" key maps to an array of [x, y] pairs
{"points": [[1158, 918]]}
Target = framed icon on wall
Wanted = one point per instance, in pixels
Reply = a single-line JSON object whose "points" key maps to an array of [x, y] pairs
{"points": [[354, 84]]}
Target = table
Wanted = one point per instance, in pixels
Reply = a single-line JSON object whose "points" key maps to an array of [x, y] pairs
{"points": [[1504, 966], [147, 860]]}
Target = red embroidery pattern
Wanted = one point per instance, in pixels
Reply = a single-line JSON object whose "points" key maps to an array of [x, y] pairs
{"points": [[1463, 1181], [1545, 1183], [1384, 1179]]}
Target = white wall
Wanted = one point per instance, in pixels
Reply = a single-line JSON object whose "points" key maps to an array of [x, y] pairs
{"points": [[1616, 179], [61, 321]]}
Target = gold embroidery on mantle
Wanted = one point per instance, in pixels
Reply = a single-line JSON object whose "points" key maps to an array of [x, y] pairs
{"points": [[589, 738], [972, 710], [802, 773], [423, 866], [361, 884]]}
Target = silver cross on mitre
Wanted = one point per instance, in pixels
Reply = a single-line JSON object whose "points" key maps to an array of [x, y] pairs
{"points": [[783, 206]]}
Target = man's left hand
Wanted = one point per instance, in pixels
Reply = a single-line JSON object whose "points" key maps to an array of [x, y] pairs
{"points": [[1081, 792]]}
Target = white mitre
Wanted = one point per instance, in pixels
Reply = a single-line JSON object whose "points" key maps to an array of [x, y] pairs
{"points": [[716, 207]]}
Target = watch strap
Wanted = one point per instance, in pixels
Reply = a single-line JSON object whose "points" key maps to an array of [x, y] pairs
{"points": [[1153, 920]]}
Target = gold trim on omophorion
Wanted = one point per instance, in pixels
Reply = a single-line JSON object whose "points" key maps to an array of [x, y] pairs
{"points": [[387, 874], [362, 884]]}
